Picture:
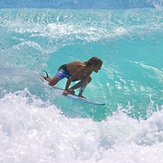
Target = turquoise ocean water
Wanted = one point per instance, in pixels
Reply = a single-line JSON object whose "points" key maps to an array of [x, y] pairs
{"points": [[38, 125]]}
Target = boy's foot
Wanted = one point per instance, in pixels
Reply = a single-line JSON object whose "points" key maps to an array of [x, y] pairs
{"points": [[81, 96]]}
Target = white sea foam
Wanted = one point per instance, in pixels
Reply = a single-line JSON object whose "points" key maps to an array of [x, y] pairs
{"points": [[35, 131]]}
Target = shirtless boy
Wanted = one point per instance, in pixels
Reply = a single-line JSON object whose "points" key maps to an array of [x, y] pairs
{"points": [[76, 71]]}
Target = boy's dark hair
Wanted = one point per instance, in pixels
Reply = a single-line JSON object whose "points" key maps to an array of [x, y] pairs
{"points": [[94, 61]]}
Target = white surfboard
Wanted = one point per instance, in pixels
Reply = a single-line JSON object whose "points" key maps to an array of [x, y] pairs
{"points": [[74, 97]]}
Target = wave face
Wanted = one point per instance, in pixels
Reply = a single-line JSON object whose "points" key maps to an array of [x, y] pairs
{"points": [[38, 125], [81, 4]]}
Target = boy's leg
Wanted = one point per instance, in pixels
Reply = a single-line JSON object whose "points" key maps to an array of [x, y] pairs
{"points": [[82, 84], [53, 81]]}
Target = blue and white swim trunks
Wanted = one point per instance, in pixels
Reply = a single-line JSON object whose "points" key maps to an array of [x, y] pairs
{"points": [[62, 72]]}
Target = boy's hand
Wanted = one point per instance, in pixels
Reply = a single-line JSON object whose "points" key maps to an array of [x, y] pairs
{"points": [[69, 91]]}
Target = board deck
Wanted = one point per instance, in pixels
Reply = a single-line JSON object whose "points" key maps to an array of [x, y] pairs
{"points": [[74, 97]]}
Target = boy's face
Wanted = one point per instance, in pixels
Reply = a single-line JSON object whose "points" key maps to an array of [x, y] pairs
{"points": [[96, 68]]}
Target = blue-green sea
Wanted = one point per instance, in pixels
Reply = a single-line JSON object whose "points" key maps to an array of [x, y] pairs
{"points": [[37, 125]]}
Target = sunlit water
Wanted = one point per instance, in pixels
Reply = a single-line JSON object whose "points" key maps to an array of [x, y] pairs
{"points": [[39, 125]]}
